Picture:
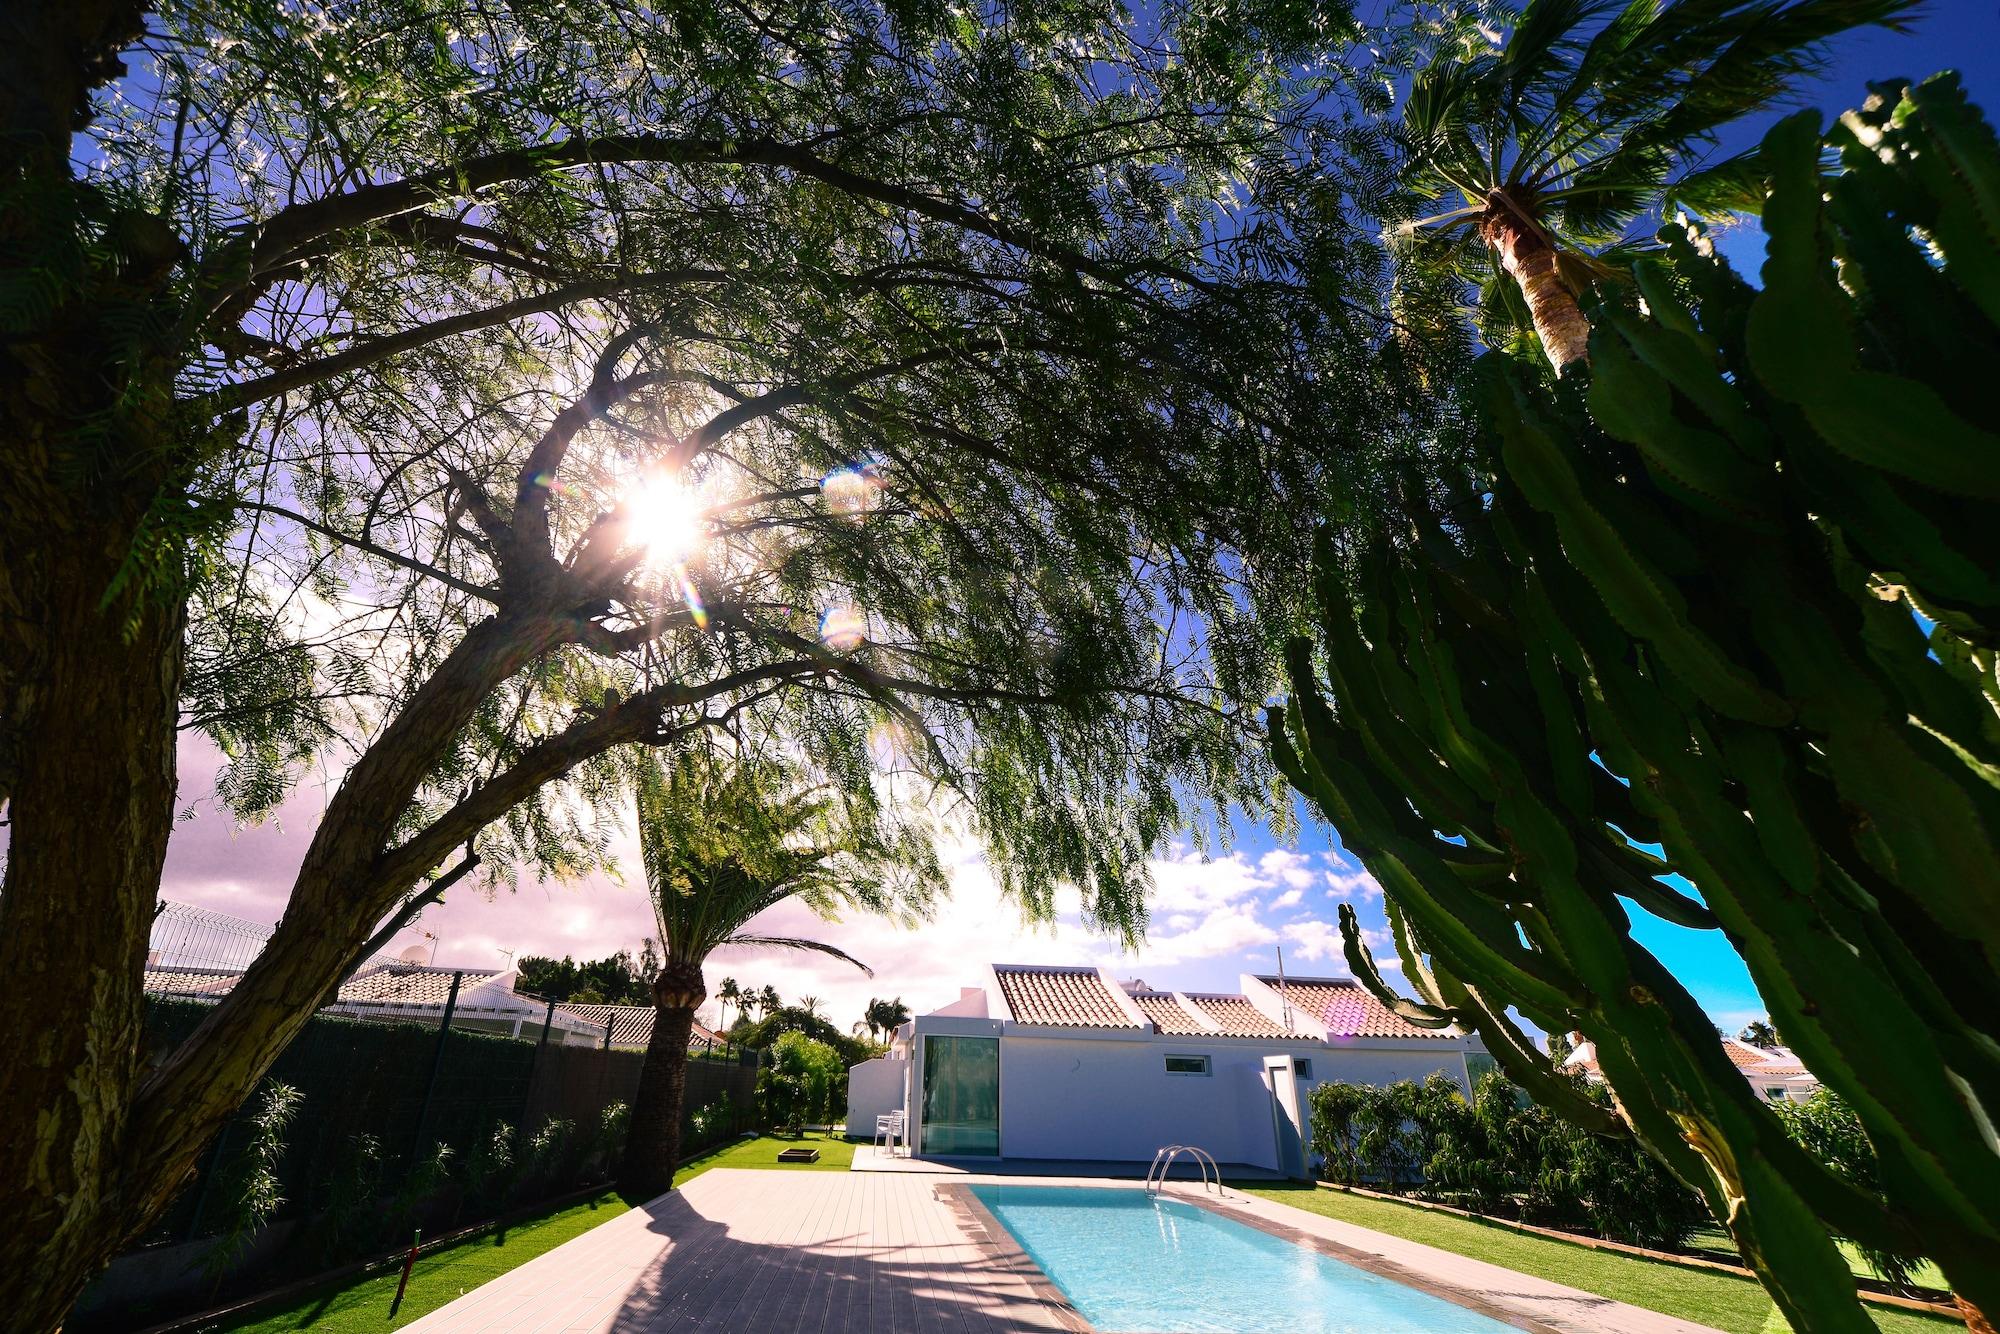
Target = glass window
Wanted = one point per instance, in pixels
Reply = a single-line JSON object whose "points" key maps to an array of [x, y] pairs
{"points": [[1303, 1066], [962, 1097], [1775, 1092], [1187, 1065]]}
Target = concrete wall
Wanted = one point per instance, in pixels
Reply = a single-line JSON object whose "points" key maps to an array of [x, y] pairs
{"points": [[874, 1088], [1102, 1098]]}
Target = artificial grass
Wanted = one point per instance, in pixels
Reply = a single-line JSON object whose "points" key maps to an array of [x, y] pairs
{"points": [[361, 1305], [1714, 1239], [1724, 1301]]}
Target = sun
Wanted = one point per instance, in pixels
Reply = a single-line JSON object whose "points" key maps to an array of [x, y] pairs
{"points": [[667, 518]]}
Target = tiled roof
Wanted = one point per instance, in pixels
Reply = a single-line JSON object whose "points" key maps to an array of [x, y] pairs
{"points": [[1169, 1015], [406, 984], [1347, 1010], [1760, 1060], [631, 1025], [1239, 1018], [1060, 997], [190, 981]]}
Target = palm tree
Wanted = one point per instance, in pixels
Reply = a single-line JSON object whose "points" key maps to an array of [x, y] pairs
{"points": [[722, 840], [1587, 116], [884, 1017], [729, 994], [810, 1004], [1759, 1033], [767, 1001]]}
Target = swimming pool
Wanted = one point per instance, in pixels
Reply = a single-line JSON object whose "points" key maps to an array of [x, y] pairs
{"points": [[1131, 1261]]}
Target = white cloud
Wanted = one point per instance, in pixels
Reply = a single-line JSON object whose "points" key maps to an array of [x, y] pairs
{"points": [[1294, 869], [1353, 885], [1289, 899]]}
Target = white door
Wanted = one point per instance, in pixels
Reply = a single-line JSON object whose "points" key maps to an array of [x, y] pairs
{"points": [[1287, 1125]]}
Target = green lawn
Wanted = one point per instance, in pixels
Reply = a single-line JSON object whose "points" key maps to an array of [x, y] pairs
{"points": [[361, 1305], [1715, 1239], [1737, 1305]]}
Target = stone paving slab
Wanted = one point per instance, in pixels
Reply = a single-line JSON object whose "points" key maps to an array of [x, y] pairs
{"points": [[889, 1253]]}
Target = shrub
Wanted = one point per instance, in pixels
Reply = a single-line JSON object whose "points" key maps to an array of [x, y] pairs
{"points": [[1827, 1128], [1336, 1137], [800, 1083], [254, 1192]]}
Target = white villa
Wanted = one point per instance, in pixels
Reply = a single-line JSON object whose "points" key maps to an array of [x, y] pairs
{"points": [[1068, 1063], [1776, 1074]]}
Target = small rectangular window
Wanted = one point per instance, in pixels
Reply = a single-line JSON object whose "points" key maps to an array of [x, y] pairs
{"points": [[1302, 1066], [1187, 1065], [1774, 1092]]}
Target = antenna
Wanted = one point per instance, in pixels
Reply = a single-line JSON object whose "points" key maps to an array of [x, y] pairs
{"points": [[432, 938], [1282, 996], [509, 955]]}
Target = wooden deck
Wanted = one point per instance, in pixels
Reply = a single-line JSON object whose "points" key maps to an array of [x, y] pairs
{"points": [[887, 1253]]}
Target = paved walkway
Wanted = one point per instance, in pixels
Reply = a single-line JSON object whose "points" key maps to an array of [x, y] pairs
{"points": [[883, 1253]]}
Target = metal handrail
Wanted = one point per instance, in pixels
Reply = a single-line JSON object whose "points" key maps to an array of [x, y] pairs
{"points": [[1163, 1162]]}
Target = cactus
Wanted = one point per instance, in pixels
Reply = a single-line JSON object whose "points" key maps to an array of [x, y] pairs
{"points": [[1684, 617]]}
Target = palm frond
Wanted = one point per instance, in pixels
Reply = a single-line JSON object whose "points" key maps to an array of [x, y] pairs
{"points": [[1734, 185], [797, 943]]}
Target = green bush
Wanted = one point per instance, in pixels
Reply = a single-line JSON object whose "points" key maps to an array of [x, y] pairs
{"points": [[1827, 1128], [1500, 1154], [802, 1083]]}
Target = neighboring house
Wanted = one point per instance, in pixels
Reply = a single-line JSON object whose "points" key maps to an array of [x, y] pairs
{"points": [[1067, 1063], [486, 1001], [632, 1025], [1776, 1074]]}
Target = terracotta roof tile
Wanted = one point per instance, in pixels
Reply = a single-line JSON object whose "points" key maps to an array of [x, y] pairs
{"points": [[1347, 1010], [1239, 1018], [190, 981], [1060, 998], [1169, 1015], [631, 1025], [406, 984]]}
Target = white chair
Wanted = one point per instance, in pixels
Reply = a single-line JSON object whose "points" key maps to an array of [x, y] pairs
{"points": [[889, 1127]]}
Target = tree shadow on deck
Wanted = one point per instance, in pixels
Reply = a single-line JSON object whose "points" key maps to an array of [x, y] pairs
{"points": [[708, 1280]]}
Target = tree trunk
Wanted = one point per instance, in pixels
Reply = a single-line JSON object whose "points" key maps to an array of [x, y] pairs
{"points": [[1528, 258], [88, 709], [653, 1135]]}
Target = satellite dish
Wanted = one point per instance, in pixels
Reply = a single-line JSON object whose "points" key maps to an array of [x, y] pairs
{"points": [[417, 954]]}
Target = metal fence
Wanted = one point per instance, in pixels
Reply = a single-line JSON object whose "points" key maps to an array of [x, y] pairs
{"points": [[382, 1090]]}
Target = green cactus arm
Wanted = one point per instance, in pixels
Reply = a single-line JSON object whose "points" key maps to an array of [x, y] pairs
{"points": [[1361, 962], [1635, 593], [1801, 345], [1416, 968], [1958, 161], [1686, 363]]}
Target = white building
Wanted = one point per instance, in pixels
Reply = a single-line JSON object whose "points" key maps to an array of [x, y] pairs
{"points": [[1065, 1063], [1776, 1074]]}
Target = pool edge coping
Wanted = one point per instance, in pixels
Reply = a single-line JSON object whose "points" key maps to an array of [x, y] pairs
{"points": [[1000, 1245]]}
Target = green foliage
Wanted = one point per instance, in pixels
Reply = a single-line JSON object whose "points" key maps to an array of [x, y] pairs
{"points": [[1725, 612], [804, 1082], [762, 1034], [613, 980], [1827, 1128], [254, 1190], [713, 1122], [1500, 1154], [1583, 115]]}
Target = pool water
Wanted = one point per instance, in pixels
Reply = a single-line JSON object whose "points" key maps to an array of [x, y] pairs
{"points": [[1130, 1261]]}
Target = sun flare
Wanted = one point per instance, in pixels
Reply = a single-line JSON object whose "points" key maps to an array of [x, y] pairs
{"points": [[667, 518]]}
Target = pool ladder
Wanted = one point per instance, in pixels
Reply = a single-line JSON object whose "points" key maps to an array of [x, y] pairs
{"points": [[1163, 1161]]}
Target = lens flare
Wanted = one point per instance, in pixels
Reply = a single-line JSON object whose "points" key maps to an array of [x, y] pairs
{"points": [[842, 629], [850, 492]]}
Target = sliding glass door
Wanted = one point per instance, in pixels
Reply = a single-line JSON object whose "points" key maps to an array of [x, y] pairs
{"points": [[962, 1097]]}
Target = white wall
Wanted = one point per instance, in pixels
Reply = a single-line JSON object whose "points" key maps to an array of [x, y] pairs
{"points": [[874, 1088], [1107, 1099], [1082, 1097]]}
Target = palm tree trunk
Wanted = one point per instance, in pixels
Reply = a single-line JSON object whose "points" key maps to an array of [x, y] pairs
{"points": [[653, 1137], [1528, 258]]}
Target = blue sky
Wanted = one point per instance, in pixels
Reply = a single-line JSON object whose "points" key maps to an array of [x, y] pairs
{"points": [[1212, 920]]}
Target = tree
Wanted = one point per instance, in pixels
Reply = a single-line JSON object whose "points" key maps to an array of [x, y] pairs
{"points": [[802, 1083], [367, 379], [1732, 599], [1557, 136], [810, 1004], [614, 980], [767, 1001], [762, 1034], [1759, 1033], [883, 1017], [729, 994], [725, 839]]}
